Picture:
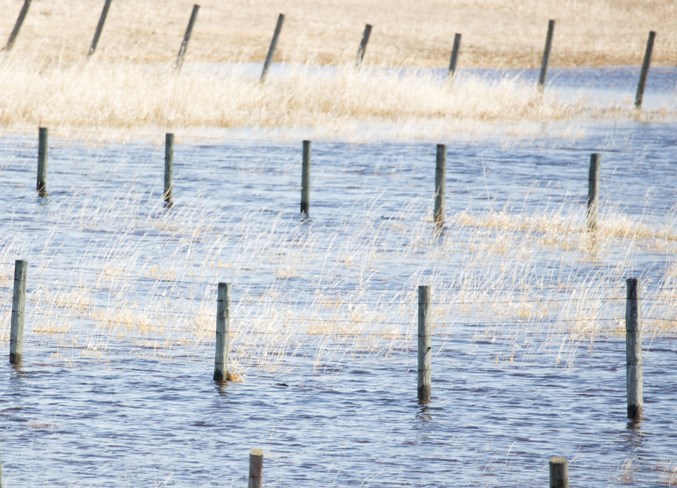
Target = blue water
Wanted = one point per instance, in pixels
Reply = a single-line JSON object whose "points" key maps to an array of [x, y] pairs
{"points": [[116, 389]]}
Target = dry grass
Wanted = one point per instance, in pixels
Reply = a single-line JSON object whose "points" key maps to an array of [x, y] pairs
{"points": [[496, 33], [130, 83]]}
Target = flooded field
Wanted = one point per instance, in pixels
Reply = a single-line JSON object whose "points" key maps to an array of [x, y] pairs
{"points": [[116, 384]]}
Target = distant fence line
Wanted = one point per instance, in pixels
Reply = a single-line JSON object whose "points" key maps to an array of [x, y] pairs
{"points": [[360, 52], [438, 193]]}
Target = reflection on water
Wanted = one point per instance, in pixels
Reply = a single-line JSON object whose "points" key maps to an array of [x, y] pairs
{"points": [[528, 352]]}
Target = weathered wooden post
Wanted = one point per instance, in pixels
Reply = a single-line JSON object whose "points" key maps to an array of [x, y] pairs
{"points": [[41, 185], [454, 55], [18, 312], [440, 184], [222, 331], [633, 351], [99, 27], [424, 345], [645, 70], [273, 45], [17, 26], [186, 37], [593, 190], [546, 54], [363, 46], [169, 168], [559, 472], [305, 181], [256, 468]]}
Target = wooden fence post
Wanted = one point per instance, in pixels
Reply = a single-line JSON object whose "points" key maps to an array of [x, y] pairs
{"points": [[454, 55], [546, 54], [99, 28], [633, 351], [186, 37], [255, 468], [222, 331], [273, 45], [593, 190], [17, 25], [363, 46], [440, 184], [18, 312], [559, 472], [305, 181], [424, 345], [645, 70], [41, 185], [169, 168]]}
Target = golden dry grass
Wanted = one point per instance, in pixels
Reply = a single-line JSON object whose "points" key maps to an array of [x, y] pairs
{"points": [[496, 33], [130, 83]]}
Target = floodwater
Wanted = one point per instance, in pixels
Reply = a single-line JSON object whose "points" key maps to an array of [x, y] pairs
{"points": [[115, 388]]}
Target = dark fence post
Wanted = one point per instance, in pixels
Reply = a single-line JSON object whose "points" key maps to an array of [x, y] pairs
{"points": [[546, 54], [440, 184], [633, 351], [454, 55], [273, 45], [222, 331], [99, 28], [363, 46], [169, 168], [17, 25], [305, 181], [255, 468], [186, 36], [559, 472], [593, 190], [41, 185], [18, 312], [424, 345], [645, 70]]}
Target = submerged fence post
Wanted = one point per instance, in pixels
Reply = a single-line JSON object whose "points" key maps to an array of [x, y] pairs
{"points": [[17, 25], [645, 70], [41, 185], [363, 46], [440, 184], [273, 45], [305, 181], [546, 53], [255, 468], [559, 472], [18, 312], [593, 187], [633, 351], [424, 345], [222, 331], [169, 168], [186, 37], [99, 28], [454, 55]]}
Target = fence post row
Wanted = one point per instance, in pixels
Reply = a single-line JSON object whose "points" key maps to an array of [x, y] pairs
{"points": [[273, 45], [633, 351], [559, 472], [186, 37], [305, 181], [424, 345], [546, 53], [41, 184], [454, 55], [99, 28], [169, 168], [363, 46], [645, 69], [593, 191], [18, 312], [222, 331], [17, 25]]}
